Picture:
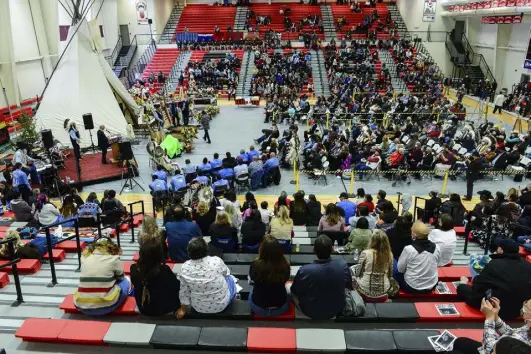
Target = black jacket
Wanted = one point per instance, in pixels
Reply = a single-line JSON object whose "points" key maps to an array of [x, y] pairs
{"points": [[205, 221], [103, 142], [429, 208], [509, 277], [224, 232], [398, 241], [314, 213], [299, 217], [252, 233], [456, 211]]}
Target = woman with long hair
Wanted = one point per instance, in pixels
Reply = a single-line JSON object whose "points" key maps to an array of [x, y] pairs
{"points": [[455, 208], [375, 268], [150, 230], [103, 286], [47, 213], [281, 225], [68, 210], [156, 286], [399, 236], [332, 220], [204, 215], [230, 198], [93, 198], [253, 229], [298, 209], [235, 217], [222, 229], [249, 197], [269, 273]]}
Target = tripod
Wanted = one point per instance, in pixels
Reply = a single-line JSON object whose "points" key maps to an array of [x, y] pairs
{"points": [[129, 176], [92, 146]]}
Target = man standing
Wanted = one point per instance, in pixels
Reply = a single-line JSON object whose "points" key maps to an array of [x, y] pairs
{"points": [[20, 182], [498, 103], [205, 122], [474, 166], [74, 139], [103, 144]]}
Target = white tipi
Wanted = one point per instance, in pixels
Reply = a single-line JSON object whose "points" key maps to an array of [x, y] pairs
{"points": [[83, 82]]}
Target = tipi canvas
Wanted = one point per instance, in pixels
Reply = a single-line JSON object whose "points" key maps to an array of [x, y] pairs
{"points": [[78, 86]]}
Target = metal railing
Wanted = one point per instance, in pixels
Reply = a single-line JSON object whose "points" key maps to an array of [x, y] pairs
{"points": [[116, 225], [111, 59], [143, 61], [14, 269], [50, 246]]}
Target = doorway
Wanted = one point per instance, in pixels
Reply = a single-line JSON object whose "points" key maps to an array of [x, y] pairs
{"points": [[124, 32]]}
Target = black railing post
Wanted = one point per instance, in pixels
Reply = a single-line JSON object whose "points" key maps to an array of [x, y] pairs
{"points": [[118, 233], [131, 223], [467, 230], [154, 209], [143, 212], [14, 269], [78, 244], [415, 209], [98, 221], [50, 257], [489, 231]]}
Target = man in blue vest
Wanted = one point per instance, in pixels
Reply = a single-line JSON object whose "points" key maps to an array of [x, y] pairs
{"points": [[177, 182], [160, 173]]}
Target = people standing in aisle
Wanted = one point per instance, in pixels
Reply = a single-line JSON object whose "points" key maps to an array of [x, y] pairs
{"points": [[186, 112], [103, 144], [20, 182], [498, 103]]}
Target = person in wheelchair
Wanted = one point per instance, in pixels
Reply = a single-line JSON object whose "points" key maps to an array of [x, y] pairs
{"points": [[395, 159]]}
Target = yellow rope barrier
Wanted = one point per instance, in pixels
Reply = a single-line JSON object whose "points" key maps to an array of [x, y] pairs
{"points": [[351, 188], [444, 183]]}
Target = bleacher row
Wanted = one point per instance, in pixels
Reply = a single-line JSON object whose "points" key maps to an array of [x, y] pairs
{"points": [[354, 19], [26, 107], [254, 339]]}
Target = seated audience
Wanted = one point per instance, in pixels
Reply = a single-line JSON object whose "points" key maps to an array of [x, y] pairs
{"points": [[445, 238], [359, 236], [150, 231], [282, 226], [417, 265], [298, 209], [349, 208], [498, 336], [22, 210], [206, 283], [314, 211], [363, 213], [455, 208], [47, 213], [319, 288], [507, 275], [332, 220], [156, 286], [235, 217], [387, 216], [265, 213], [253, 229], [374, 271], [92, 198], [367, 202], [103, 287], [178, 233], [269, 274]]}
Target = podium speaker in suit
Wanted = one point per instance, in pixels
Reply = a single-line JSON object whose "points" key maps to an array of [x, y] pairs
{"points": [[103, 144]]}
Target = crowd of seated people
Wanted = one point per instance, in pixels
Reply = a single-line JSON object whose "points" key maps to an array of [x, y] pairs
{"points": [[280, 74], [214, 74]]}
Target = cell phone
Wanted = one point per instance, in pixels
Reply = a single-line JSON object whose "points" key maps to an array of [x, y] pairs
{"points": [[488, 295]]}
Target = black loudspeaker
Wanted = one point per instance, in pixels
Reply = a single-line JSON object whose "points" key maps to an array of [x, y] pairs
{"points": [[125, 150], [87, 121], [150, 21], [47, 138]]}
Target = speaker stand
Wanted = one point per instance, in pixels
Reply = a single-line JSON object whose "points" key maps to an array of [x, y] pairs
{"points": [[92, 146], [129, 179]]}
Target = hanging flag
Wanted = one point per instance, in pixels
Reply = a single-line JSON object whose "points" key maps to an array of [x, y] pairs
{"points": [[430, 7], [141, 12]]}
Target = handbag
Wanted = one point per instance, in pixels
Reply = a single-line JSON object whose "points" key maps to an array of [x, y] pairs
{"points": [[354, 305]]}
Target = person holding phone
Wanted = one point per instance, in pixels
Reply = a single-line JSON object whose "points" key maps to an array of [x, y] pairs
{"points": [[507, 276], [498, 338]]}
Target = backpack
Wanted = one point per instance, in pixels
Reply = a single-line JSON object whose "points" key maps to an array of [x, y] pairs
{"points": [[354, 305]]}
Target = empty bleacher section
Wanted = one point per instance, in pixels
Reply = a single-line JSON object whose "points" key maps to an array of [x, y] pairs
{"points": [[162, 61], [297, 14], [10, 115], [202, 19]]}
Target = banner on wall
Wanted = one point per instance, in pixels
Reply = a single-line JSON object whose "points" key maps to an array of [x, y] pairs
{"points": [[527, 62], [430, 6], [141, 12], [501, 19]]}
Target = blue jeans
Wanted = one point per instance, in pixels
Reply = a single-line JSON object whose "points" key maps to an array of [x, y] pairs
{"points": [[124, 285], [232, 289], [268, 312]]}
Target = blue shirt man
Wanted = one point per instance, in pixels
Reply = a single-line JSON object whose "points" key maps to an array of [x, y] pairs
{"points": [[179, 233], [221, 183], [226, 172], [158, 185], [162, 175], [205, 167], [201, 179], [320, 287], [216, 162], [20, 178], [243, 156], [348, 206], [178, 182], [252, 153], [271, 163], [189, 167]]}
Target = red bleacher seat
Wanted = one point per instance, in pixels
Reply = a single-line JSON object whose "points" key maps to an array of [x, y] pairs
{"points": [[453, 273], [137, 220], [127, 309], [203, 18], [136, 257], [84, 332], [8, 214], [460, 230], [163, 60], [428, 312], [271, 339], [523, 252], [475, 334], [70, 246], [449, 264], [4, 279], [468, 313], [41, 329], [288, 316], [528, 258], [127, 267], [123, 228], [25, 266], [58, 255]]}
